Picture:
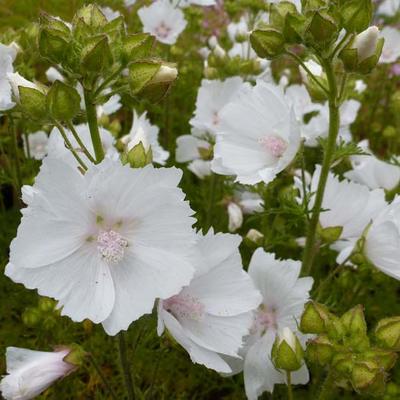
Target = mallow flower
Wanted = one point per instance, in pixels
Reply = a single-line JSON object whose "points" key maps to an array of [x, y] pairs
{"points": [[210, 316], [30, 372], [105, 244], [35, 145], [163, 20], [373, 172], [284, 295], [382, 240], [391, 47], [212, 97], [258, 135], [7, 57], [144, 132]]}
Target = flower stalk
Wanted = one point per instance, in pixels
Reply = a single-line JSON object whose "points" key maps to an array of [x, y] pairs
{"points": [[125, 366], [289, 385]]}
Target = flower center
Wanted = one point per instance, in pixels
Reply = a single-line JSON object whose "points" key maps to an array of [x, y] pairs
{"points": [[264, 320], [274, 145], [184, 305], [111, 245], [163, 30]]}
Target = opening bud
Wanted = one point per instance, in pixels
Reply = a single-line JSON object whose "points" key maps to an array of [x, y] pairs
{"points": [[287, 353], [387, 333]]}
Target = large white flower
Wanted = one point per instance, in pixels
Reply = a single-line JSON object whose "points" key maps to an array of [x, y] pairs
{"points": [[31, 372], [382, 242], [284, 295], [389, 7], [58, 149], [105, 244], [212, 97], [258, 135], [163, 20], [36, 145], [210, 316], [146, 133], [372, 172], [391, 48], [7, 57]]}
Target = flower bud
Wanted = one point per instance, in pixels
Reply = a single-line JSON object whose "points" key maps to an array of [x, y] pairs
{"points": [[52, 45], [92, 16], [31, 316], [314, 318], [267, 43], [165, 74], [368, 378], [363, 52], [287, 353], [256, 237], [137, 46], [63, 101], [96, 55], [353, 322], [356, 15], [138, 157], [343, 363], [387, 333], [46, 304], [320, 350], [330, 234], [278, 13], [384, 358], [322, 30], [235, 215]]}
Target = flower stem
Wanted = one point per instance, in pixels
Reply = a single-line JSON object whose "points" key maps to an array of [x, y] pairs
{"points": [[334, 122], [103, 378], [80, 143], [18, 175], [289, 385], [125, 366], [93, 126]]}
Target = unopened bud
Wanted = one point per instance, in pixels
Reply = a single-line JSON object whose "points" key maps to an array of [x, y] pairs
{"points": [[356, 15], [63, 101], [322, 30], [267, 43], [255, 236], [368, 378], [320, 350], [314, 318], [138, 157], [287, 353], [387, 333], [330, 234]]}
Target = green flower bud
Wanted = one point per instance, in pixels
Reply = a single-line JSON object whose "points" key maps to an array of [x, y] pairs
{"points": [[138, 156], [314, 318], [384, 358], [320, 350], [76, 357], [33, 103], [138, 46], [293, 28], [52, 45], [92, 16], [353, 322], [63, 102], [278, 13], [368, 378], [313, 5], [267, 43], [255, 237], [330, 234], [287, 353], [46, 304], [31, 316], [356, 15], [387, 333], [96, 55], [322, 30], [362, 54], [343, 364], [390, 132]]}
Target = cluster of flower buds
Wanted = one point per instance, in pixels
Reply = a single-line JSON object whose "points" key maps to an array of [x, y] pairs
{"points": [[44, 314], [344, 347], [318, 28]]}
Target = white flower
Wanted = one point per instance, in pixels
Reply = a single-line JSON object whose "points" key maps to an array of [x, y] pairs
{"points": [[212, 97], [163, 20], [7, 56], [105, 244], [235, 215], [372, 172], [382, 242], [365, 204], [284, 295], [313, 67], [240, 28], [258, 135], [110, 14], [112, 105], [53, 74], [210, 316], [366, 42], [389, 7], [391, 47], [360, 86], [143, 131], [189, 148], [185, 3], [31, 372], [57, 148], [37, 144], [129, 3]]}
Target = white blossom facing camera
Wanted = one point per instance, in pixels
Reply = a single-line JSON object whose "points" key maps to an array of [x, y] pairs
{"points": [[218, 300], [114, 241], [163, 20], [258, 137], [30, 372]]}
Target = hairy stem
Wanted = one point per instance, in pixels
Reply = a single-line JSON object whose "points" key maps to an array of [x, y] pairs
{"points": [[334, 122], [93, 126], [125, 366]]}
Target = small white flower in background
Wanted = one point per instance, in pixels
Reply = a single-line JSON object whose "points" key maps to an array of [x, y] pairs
{"points": [[210, 316], [238, 29], [129, 3], [391, 48], [313, 67], [112, 105], [360, 86], [258, 135], [189, 149], [366, 204], [31, 372], [110, 14], [389, 7], [105, 244], [284, 295], [235, 215], [366, 42], [212, 97], [16, 80], [53, 74], [163, 20], [382, 241], [372, 172], [37, 144], [186, 3], [57, 149], [143, 131], [7, 57]]}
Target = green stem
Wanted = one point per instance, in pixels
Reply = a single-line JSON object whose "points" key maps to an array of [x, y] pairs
{"points": [[125, 366], [211, 200], [18, 175], [103, 378], [69, 145], [289, 385], [93, 126], [334, 122], [80, 143]]}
